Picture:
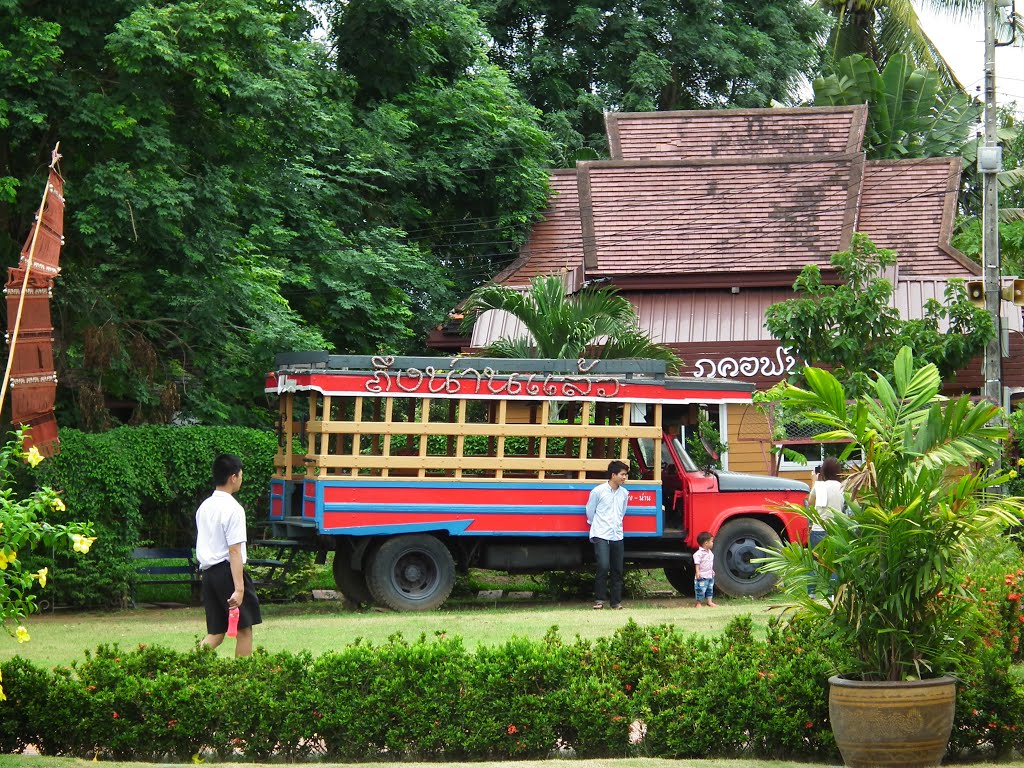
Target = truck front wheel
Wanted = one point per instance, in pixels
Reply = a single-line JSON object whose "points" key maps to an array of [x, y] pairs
{"points": [[411, 573], [737, 543], [681, 579]]}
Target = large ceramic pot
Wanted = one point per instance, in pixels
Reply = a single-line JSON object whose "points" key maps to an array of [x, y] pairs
{"points": [[891, 724]]}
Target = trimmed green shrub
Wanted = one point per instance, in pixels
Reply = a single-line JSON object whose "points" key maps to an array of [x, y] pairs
{"points": [[141, 486], [645, 690]]}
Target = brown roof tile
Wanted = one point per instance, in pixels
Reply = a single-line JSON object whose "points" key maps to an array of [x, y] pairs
{"points": [[706, 216], [744, 133], [555, 243], [909, 205]]}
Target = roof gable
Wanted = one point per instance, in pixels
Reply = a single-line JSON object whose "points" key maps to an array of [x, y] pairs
{"points": [[555, 243], [746, 133], [899, 193], [695, 217]]}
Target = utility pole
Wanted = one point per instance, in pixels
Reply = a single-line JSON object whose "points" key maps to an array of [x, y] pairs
{"points": [[990, 163]]}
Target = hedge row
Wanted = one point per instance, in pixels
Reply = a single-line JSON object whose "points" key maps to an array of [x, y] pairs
{"points": [[646, 690], [141, 486]]}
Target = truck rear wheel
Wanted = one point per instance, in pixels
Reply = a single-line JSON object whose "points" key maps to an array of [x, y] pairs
{"points": [[411, 573], [350, 582], [681, 579], [737, 543]]}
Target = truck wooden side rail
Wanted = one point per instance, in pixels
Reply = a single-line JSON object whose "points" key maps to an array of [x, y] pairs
{"points": [[410, 468]]}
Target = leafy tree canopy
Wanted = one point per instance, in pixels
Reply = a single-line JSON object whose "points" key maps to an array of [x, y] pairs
{"points": [[854, 328], [595, 322], [234, 189], [575, 61]]}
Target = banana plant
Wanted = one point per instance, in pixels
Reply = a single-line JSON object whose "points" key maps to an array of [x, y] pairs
{"points": [[910, 112]]}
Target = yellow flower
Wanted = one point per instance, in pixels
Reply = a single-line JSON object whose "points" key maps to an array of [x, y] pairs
{"points": [[3, 560], [3, 697], [33, 456], [41, 575], [22, 634], [1020, 462], [58, 504], [82, 543], [1012, 474], [197, 759]]}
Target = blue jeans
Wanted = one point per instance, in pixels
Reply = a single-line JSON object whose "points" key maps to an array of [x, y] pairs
{"points": [[814, 538], [610, 556], [704, 588]]}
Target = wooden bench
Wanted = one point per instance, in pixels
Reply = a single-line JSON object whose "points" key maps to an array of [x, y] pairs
{"points": [[186, 570]]}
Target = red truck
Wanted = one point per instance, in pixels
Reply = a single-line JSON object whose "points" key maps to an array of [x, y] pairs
{"points": [[414, 469]]}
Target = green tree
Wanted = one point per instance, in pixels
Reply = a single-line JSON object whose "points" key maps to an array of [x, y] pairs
{"points": [[592, 323], [575, 61], [910, 112], [461, 156], [854, 328], [232, 192]]}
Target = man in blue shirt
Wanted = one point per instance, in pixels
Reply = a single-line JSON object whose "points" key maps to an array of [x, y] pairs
{"points": [[605, 509]]}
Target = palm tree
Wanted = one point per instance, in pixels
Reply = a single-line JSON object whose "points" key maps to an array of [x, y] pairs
{"points": [[594, 322], [881, 28]]}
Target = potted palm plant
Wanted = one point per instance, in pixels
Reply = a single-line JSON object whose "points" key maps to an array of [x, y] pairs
{"points": [[921, 496]]}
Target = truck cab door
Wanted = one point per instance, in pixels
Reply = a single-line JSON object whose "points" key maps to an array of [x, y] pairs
{"points": [[673, 480]]}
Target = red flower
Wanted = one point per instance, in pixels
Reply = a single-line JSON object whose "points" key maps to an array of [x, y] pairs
{"points": [[171, 723], [116, 715], [629, 687], [512, 729], [982, 589], [808, 724], [654, 649], [1013, 597]]}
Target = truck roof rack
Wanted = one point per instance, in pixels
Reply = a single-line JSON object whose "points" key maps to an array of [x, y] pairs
{"points": [[319, 360]]}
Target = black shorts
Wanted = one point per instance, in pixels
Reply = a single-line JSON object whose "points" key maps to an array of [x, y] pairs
{"points": [[217, 588]]}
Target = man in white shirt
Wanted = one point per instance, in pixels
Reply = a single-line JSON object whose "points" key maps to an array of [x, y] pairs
{"points": [[220, 550], [605, 509]]}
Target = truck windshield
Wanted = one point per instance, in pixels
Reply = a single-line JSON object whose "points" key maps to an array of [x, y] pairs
{"points": [[688, 464], [647, 449]]}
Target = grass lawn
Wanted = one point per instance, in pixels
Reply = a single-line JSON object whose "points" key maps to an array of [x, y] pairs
{"points": [[62, 636]]}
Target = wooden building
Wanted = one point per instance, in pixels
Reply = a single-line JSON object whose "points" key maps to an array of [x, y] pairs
{"points": [[703, 219]]}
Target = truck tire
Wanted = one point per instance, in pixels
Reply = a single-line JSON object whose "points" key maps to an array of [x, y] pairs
{"points": [[681, 579], [411, 573], [736, 544], [350, 582]]}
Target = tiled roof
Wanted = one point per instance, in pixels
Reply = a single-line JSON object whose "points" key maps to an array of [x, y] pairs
{"points": [[695, 217], [747, 133], [909, 205], [555, 243]]}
